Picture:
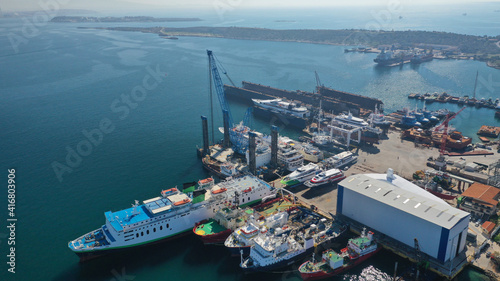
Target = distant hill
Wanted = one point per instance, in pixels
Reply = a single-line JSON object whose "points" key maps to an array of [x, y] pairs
{"points": [[119, 19]]}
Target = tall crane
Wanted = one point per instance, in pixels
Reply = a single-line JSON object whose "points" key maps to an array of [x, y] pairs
{"points": [[444, 137], [237, 133]]}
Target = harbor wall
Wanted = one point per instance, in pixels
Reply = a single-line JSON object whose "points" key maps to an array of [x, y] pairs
{"points": [[257, 91], [361, 101]]}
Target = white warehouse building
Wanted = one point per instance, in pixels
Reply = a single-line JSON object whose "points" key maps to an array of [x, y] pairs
{"points": [[403, 211]]}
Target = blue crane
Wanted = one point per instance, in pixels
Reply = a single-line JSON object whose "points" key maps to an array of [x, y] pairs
{"points": [[237, 134], [219, 86]]}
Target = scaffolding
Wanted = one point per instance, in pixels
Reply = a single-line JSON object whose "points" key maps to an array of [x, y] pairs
{"points": [[494, 180]]}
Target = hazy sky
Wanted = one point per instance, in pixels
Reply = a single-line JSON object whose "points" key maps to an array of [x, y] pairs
{"points": [[15, 5]]}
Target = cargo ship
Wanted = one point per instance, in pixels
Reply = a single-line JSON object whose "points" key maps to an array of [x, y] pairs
{"points": [[357, 251], [167, 216]]}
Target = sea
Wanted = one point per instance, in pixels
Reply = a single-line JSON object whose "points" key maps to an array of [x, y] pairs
{"points": [[91, 120]]}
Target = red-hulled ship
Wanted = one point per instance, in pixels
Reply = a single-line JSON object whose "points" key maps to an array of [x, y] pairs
{"points": [[358, 250]]}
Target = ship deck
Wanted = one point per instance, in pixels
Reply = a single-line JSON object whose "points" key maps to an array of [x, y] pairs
{"points": [[127, 217], [209, 228]]}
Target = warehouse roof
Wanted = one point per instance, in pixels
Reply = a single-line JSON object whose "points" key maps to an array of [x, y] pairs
{"points": [[405, 196]]}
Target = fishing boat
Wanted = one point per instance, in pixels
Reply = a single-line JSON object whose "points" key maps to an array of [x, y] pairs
{"points": [[326, 177], [332, 263], [167, 216], [302, 174]]}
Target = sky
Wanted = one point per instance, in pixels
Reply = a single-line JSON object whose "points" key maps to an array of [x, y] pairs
{"points": [[116, 5]]}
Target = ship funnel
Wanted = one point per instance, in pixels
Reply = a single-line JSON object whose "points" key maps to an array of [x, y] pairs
{"points": [[251, 153], [225, 116], [274, 146], [204, 125], [390, 175]]}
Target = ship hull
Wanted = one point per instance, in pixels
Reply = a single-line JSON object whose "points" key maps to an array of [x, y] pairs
{"points": [[90, 255], [236, 251], [216, 238], [282, 117], [317, 275], [279, 264]]}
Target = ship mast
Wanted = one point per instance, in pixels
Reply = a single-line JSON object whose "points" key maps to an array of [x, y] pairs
{"points": [[475, 85]]}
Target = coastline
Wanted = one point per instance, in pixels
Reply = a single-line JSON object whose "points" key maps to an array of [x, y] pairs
{"points": [[352, 37]]}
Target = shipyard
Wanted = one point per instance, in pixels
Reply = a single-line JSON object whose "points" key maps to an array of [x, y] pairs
{"points": [[275, 201], [442, 166], [259, 140]]}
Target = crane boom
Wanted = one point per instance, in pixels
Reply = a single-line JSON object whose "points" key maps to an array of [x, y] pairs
{"points": [[219, 87], [444, 137]]}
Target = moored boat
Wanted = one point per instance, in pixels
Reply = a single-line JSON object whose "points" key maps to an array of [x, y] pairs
{"points": [[358, 250], [168, 216], [271, 252]]}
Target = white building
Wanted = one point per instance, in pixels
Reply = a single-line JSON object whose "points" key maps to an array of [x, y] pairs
{"points": [[399, 209]]}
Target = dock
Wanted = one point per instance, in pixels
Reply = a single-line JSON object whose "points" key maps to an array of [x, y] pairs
{"points": [[489, 131], [332, 100]]}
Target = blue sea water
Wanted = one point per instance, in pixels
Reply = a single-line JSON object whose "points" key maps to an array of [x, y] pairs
{"points": [[64, 82]]}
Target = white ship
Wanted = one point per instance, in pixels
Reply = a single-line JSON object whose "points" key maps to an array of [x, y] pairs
{"points": [[167, 216], [243, 238], [350, 120], [311, 153], [273, 252], [326, 177], [283, 107], [302, 174], [341, 160], [290, 157]]}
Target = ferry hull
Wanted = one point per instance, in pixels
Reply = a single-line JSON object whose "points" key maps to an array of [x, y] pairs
{"points": [[91, 255]]}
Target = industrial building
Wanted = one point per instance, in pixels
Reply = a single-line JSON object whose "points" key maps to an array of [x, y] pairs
{"points": [[403, 211]]}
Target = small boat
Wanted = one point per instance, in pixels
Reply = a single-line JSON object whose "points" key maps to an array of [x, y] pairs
{"points": [[357, 251]]}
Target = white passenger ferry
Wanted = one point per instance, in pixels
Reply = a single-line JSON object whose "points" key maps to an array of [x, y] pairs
{"points": [[168, 216]]}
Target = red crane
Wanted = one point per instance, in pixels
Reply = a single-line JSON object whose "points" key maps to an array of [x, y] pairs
{"points": [[445, 133]]}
